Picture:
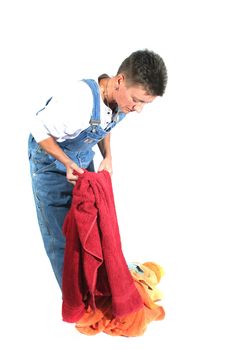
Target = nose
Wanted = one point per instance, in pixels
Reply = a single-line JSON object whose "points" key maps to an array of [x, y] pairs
{"points": [[138, 107]]}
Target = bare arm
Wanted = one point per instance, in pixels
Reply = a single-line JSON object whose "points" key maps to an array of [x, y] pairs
{"points": [[51, 146], [105, 149], [104, 146]]}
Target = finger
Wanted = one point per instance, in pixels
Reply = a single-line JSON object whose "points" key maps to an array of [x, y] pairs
{"points": [[75, 172], [72, 182], [71, 178], [80, 170], [100, 168], [77, 168]]}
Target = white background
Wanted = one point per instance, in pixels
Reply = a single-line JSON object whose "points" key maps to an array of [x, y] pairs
{"points": [[172, 163]]}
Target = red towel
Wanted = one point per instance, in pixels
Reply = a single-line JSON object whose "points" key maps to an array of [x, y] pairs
{"points": [[94, 263]]}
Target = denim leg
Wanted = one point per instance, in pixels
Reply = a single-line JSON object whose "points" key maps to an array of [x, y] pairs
{"points": [[52, 193]]}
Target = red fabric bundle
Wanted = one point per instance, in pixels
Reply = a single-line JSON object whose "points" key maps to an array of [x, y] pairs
{"points": [[94, 264]]}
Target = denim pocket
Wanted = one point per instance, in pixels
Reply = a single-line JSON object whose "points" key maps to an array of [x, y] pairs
{"points": [[41, 160], [41, 168]]}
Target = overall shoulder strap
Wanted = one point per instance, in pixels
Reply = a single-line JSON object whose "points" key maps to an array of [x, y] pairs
{"points": [[95, 117]]}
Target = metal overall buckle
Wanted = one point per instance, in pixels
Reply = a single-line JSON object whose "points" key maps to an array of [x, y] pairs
{"points": [[94, 123]]}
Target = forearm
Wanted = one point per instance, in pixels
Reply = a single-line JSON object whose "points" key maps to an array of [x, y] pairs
{"points": [[105, 148], [50, 146]]}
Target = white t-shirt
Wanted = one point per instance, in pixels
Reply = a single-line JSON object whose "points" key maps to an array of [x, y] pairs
{"points": [[68, 113]]}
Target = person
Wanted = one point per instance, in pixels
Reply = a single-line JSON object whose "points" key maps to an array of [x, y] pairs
{"points": [[64, 132]]}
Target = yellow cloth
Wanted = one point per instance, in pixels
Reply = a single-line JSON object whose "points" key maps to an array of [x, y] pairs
{"points": [[102, 320]]}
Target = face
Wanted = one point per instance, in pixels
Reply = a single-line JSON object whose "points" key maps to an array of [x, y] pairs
{"points": [[130, 98]]}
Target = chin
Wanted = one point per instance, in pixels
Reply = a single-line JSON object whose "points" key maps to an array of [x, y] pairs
{"points": [[125, 110]]}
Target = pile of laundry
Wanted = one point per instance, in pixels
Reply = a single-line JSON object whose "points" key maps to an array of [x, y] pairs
{"points": [[101, 292]]}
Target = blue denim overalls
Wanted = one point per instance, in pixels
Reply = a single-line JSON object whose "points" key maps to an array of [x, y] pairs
{"points": [[52, 192]]}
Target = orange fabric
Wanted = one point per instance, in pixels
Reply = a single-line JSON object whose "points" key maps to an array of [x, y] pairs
{"points": [[102, 320]]}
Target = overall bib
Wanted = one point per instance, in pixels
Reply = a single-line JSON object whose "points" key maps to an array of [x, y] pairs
{"points": [[52, 192]]}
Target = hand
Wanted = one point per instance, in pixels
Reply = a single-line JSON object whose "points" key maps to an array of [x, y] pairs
{"points": [[70, 167], [106, 164]]}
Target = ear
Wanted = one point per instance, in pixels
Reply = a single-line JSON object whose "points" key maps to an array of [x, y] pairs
{"points": [[120, 79]]}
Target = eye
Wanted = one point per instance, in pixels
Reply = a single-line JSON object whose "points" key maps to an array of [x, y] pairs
{"points": [[136, 100]]}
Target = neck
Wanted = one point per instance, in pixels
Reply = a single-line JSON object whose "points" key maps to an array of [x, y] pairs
{"points": [[106, 92]]}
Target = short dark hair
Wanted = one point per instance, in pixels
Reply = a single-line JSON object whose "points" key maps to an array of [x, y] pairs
{"points": [[147, 69]]}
